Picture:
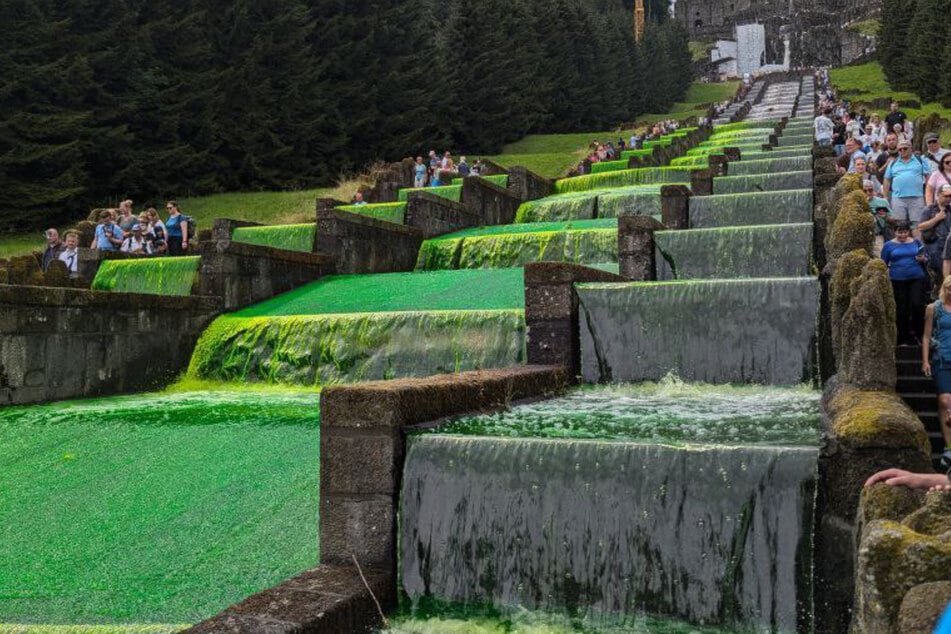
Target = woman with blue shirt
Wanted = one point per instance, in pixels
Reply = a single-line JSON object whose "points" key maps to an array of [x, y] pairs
{"points": [[176, 230], [906, 260], [936, 361]]}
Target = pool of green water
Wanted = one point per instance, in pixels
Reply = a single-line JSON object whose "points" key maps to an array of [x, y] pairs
{"points": [[131, 513], [668, 412]]}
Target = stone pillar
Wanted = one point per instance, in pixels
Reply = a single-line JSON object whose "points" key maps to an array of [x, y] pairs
{"points": [[636, 247], [766, 147], [675, 206], [551, 312], [527, 185], [773, 140], [719, 164], [222, 228], [732, 153], [701, 183]]}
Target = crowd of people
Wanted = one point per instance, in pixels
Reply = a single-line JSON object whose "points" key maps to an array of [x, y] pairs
{"points": [[440, 170], [599, 151], [120, 229]]}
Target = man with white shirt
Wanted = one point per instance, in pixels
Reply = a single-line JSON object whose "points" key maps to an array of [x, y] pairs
{"points": [[70, 253], [933, 150], [824, 127]]}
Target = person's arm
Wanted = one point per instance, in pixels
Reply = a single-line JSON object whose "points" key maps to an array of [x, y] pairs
{"points": [[184, 226], [886, 186], [929, 193], [900, 477], [926, 341]]}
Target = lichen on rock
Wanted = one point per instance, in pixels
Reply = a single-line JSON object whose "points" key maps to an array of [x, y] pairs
{"points": [[869, 418], [867, 330], [922, 607], [853, 227], [885, 502], [934, 518], [848, 269]]}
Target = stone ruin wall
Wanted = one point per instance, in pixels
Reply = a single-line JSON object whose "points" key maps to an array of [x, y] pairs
{"points": [[815, 26]]}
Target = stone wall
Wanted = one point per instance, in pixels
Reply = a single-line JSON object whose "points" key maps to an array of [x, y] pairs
{"points": [[435, 215], [493, 204], [58, 343], [527, 185], [244, 274], [359, 244]]}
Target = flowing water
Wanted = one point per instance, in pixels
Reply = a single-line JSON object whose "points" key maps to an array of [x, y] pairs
{"points": [[725, 331], [711, 533], [289, 237], [390, 212], [624, 178], [452, 192], [734, 252], [770, 165], [762, 182], [774, 207], [152, 276]]}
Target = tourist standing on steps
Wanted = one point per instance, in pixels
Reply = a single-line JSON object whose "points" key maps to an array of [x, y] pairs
{"points": [[939, 177], [823, 127], [936, 361], [882, 213], [463, 167], [419, 173], [176, 230], [906, 260], [108, 234], [70, 254], [934, 229], [53, 248], [904, 184], [933, 150], [895, 117]]}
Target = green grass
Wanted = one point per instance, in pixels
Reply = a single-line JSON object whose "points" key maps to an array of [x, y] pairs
{"points": [[134, 628], [153, 509], [496, 289], [262, 207], [12, 244], [700, 51], [870, 27]]}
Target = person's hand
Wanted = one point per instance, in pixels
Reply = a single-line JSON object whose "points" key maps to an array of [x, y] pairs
{"points": [[941, 487], [921, 259], [900, 477], [926, 368]]}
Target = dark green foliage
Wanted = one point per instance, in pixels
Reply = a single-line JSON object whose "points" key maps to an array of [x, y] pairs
{"points": [[893, 45], [161, 99]]}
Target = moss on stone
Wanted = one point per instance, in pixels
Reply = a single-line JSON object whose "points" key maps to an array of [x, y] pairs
{"points": [[892, 559], [934, 518], [848, 269], [885, 502], [866, 332], [922, 607], [853, 227], [866, 419]]}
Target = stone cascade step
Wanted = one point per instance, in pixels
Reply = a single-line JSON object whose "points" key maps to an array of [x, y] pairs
{"points": [[918, 392]]}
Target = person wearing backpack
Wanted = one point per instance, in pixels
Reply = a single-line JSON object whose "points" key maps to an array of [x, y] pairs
{"points": [[936, 359], [176, 230], [904, 184]]}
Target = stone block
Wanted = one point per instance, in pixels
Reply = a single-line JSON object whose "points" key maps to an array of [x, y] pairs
{"points": [[434, 215], [636, 251], [359, 244], [364, 526], [494, 205], [549, 302], [375, 456], [675, 205], [527, 185], [923, 606]]}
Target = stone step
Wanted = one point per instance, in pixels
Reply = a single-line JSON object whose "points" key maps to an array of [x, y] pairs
{"points": [[911, 383], [920, 401], [903, 353]]}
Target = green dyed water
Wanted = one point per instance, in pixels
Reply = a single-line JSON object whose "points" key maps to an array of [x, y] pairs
{"points": [[734, 252], [703, 150], [776, 153], [289, 237], [452, 192], [763, 182], [603, 203], [490, 289], [770, 165], [667, 412], [153, 509], [744, 125], [152, 276], [502, 180], [623, 178], [644, 153], [699, 162], [608, 166], [775, 207], [625, 202], [390, 212], [319, 350]]}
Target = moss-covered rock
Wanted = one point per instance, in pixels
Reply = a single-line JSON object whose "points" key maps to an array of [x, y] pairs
{"points": [[848, 269], [870, 419], [25, 270], [867, 331], [884, 502], [893, 559], [934, 518], [853, 227], [922, 607], [846, 185]]}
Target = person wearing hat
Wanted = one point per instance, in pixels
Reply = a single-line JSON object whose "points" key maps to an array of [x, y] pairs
{"points": [[933, 150], [904, 184], [882, 214], [906, 260], [135, 242], [934, 229]]}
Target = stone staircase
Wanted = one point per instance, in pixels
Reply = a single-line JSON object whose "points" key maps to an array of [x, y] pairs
{"points": [[918, 392]]}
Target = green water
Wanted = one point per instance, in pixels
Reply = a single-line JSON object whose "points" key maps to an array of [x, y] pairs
{"points": [[153, 276], [153, 509], [610, 166], [629, 154], [757, 165], [502, 180], [744, 125], [319, 350], [289, 237], [668, 412], [584, 205], [763, 182], [390, 212], [491, 289], [623, 178], [452, 192]]}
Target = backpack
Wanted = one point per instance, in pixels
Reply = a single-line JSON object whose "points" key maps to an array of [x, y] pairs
{"points": [[192, 228]]}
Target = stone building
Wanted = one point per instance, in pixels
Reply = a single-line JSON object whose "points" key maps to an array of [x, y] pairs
{"points": [[815, 28]]}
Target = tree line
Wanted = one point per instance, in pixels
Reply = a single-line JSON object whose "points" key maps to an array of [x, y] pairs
{"points": [[151, 99], [913, 44]]}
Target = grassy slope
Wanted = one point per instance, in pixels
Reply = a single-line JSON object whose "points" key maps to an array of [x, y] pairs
{"points": [[547, 154], [870, 80]]}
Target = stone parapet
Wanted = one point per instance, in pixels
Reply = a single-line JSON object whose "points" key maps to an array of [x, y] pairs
{"points": [[636, 252], [359, 244], [435, 215], [493, 204], [527, 185]]}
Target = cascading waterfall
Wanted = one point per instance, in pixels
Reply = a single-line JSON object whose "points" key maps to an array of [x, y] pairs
{"points": [[723, 331], [775, 207], [390, 212], [622, 178], [451, 192], [289, 237], [770, 166], [608, 166], [152, 276], [596, 203], [502, 180], [734, 252], [762, 182]]}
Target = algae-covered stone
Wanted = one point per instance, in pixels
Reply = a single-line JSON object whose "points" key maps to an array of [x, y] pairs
{"points": [[867, 331], [934, 518], [848, 269], [892, 559], [25, 270], [853, 226], [922, 607], [846, 185], [868, 419], [885, 502]]}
